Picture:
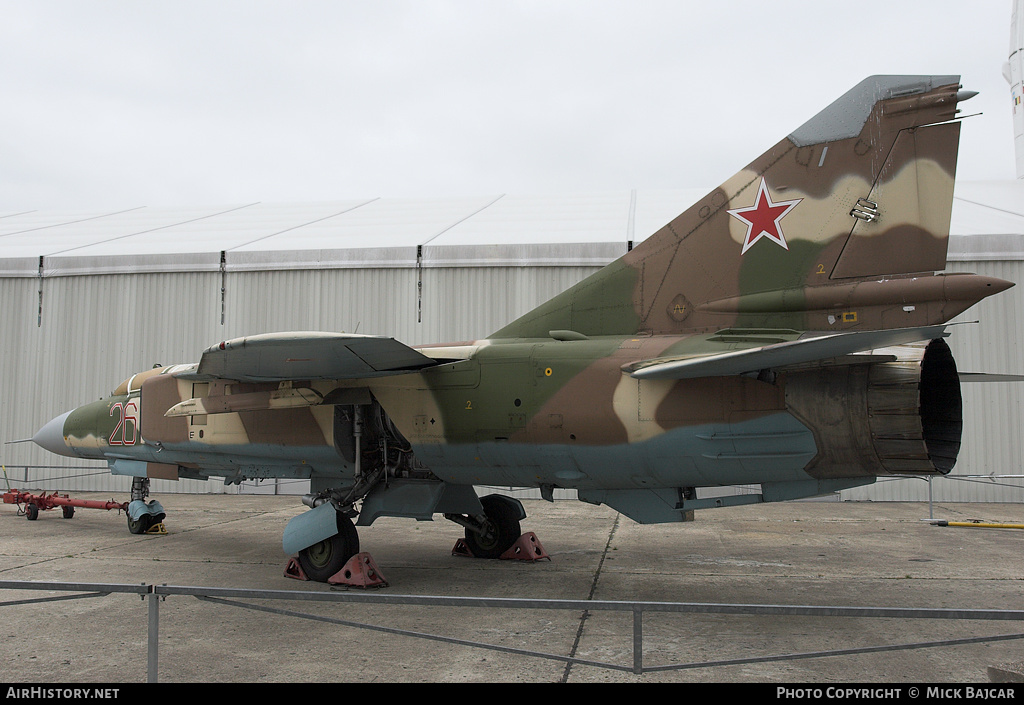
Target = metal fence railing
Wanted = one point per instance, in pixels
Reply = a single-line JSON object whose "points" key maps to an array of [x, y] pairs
{"points": [[233, 597]]}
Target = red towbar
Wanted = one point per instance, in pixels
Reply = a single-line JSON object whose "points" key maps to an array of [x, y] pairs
{"points": [[41, 502]]}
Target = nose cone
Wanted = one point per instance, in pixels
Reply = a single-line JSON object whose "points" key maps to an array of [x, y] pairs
{"points": [[51, 437]]}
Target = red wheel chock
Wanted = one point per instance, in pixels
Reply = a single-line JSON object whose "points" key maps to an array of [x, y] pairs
{"points": [[360, 571], [461, 549], [294, 570], [526, 548]]}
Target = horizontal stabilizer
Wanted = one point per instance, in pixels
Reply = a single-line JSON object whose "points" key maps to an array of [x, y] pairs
{"points": [[275, 357], [775, 355], [989, 377]]}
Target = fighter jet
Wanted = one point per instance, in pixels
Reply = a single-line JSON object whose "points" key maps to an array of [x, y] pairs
{"points": [[785, 331]]}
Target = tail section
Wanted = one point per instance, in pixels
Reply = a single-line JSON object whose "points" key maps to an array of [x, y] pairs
{"points": [[821, 232]]}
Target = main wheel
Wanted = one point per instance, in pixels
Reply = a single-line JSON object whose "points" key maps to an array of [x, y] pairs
{"points": [[322, 560], [501, 529]]}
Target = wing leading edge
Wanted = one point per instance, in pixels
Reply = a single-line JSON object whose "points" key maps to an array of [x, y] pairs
{"points": [[275, 357]]}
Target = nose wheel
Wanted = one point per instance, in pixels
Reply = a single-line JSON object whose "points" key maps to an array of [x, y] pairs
{"points": [[141, 525], [142, 515]]}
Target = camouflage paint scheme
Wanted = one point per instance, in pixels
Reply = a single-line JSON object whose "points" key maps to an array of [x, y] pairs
{"points": [[613, 387]]}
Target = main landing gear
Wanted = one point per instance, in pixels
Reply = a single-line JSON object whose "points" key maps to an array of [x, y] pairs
{"points": [[493, 534], [324, 559]]}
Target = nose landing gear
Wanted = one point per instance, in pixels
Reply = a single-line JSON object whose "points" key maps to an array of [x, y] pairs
{"points": [[144, 517]]}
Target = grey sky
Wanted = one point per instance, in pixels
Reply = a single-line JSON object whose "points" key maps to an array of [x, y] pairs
{"points": [[117, 104]]}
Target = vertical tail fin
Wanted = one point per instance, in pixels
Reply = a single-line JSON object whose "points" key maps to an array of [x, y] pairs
{"points": [[802, 236]]}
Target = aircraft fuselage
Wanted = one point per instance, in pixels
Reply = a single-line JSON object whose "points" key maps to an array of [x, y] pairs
{"points": [[555, 413]]}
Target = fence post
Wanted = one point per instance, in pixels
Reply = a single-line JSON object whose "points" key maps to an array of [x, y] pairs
{"points": [[931, 513], [154, 636], [638, 641]]}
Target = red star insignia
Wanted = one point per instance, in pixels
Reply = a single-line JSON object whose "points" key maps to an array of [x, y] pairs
{"points": [[763, 218]]}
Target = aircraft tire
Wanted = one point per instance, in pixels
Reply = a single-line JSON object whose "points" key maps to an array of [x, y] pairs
{"points": [[322, 560], [502, 530], [141, 526]]}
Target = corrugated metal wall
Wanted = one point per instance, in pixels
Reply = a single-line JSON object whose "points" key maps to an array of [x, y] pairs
{"points": [[96, 330], [93, 332]]}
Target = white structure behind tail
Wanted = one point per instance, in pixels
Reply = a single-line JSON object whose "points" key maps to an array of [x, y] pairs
{"points": [[1013, 71]]}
